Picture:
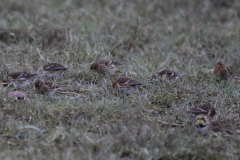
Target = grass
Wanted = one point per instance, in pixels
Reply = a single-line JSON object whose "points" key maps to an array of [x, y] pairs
{"points": [[182, 35]]}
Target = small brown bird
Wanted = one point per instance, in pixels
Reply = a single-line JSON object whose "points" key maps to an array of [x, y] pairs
{"points": [[127, 85], [18, 95], [237, 119], [45, 87], [53, 70], [238, 130], [170, 75], [222, 72], [19, 78], [105, 67], [205, 125], [205, 109]]}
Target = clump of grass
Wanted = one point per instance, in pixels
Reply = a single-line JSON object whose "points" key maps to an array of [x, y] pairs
{"points": [[56, 37]]}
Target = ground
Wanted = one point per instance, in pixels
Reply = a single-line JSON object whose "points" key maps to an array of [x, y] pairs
{"points": [[93, 122]]}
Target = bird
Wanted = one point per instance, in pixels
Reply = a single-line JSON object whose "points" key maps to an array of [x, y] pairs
{"points": [[105, 67], [45, 87], [222, 72], [205, 125], [238, 130], [237, 119], [205, 109], [169, 75], [53, 70], [18, 95], [20, 79], [127, 85]]}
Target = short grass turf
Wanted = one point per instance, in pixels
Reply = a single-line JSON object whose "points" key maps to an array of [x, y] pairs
{"points": [[185, 36]]}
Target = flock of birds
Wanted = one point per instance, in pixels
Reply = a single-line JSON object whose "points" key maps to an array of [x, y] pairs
{"points": [[204, 123]]}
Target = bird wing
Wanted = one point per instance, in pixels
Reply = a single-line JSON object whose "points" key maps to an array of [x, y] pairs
{"points": [[27, 75], [54, 66], [131, 82], [50, 85]]}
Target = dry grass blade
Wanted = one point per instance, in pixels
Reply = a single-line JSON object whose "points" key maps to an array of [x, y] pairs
{"points": [[71, 93], [130, 42]]}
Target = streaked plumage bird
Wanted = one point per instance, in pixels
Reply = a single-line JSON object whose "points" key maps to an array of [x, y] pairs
{"points": [[18, 95], [127, 85], [169, 75], [206, 125], [19, 78], [45, 87], [222, 72], [237, 119], [205, 109], [105, 67], [238, 130], [53, 70]]}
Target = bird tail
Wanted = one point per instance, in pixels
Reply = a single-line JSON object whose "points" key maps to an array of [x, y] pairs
{"points": [[145, 84], [118, 63], [236, 77], [3, 83], [181, 75], [28, 75]]}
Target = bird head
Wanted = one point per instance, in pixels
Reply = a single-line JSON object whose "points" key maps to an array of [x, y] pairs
{"points": [[201, 121], [115, 84], [220, 64], [38, 83], [238, 128]]}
